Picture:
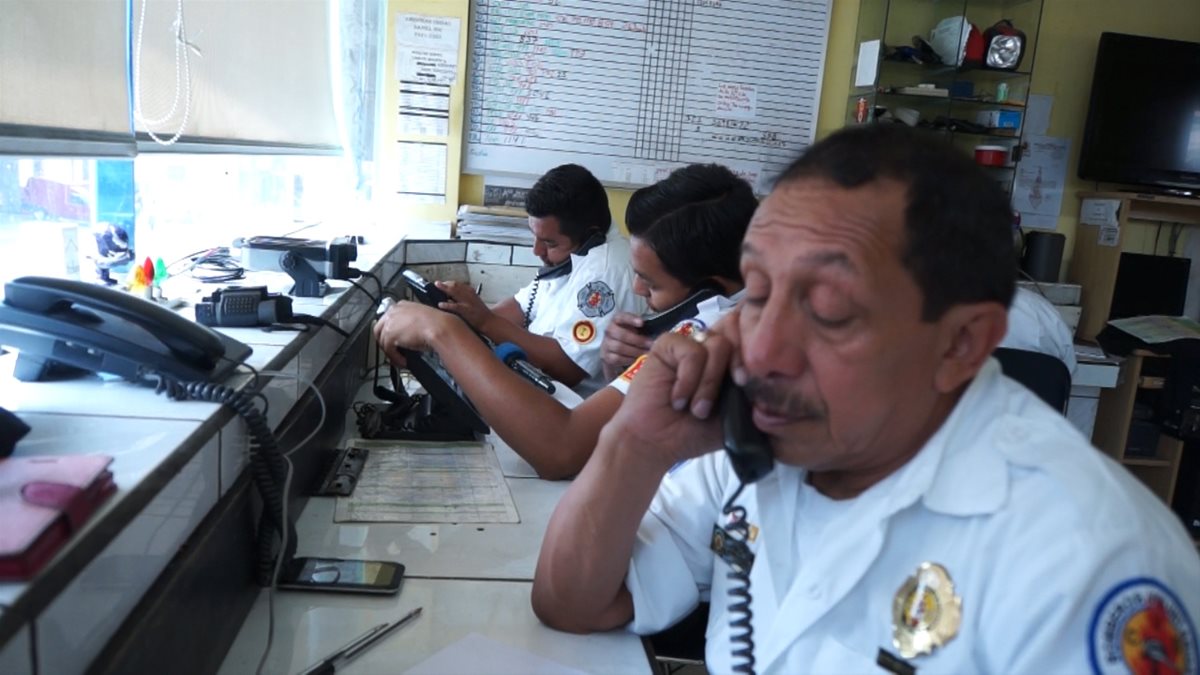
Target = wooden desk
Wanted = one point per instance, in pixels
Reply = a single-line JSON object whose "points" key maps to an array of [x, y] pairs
{"points": [[1094, 265]]}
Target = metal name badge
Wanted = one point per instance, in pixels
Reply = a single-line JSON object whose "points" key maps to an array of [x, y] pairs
{"points": [[926, 614]]}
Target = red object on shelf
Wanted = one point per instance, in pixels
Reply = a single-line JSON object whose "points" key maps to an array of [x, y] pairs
{"points": [[973, 53], [991, 155], [45, 500]]}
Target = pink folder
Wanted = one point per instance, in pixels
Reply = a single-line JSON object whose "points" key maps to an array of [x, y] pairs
{"points": [[43, 501]]}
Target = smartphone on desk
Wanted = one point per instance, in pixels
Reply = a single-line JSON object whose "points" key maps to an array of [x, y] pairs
{"points": [[345, 576], [749, 448]]}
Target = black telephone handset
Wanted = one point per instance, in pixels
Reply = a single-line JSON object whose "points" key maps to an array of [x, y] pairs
{"points": [[748, 448], [93, 328], [425, 292], [656, 324], [512, 356], [564, 268]]}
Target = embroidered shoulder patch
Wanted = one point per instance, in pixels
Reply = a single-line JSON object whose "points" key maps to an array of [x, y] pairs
{"points": [[689, 327], [596, 299], [583, 332], [633, 369], [1141, 627]]}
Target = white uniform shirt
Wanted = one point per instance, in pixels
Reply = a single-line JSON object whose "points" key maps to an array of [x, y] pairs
{"points": [[575, 309], [1057, 553], [1035, 325], [707, 313]]}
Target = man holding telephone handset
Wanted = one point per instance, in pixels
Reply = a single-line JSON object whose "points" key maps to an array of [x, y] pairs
{"points": [[558, 318], [925, 512], [698, 207]]}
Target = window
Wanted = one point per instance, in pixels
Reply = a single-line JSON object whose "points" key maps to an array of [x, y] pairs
{"points": [[90, 217]]}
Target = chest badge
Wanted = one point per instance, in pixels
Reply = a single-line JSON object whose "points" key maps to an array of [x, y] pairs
{"points": [[926, 614], [583, 332], [595, 299]]}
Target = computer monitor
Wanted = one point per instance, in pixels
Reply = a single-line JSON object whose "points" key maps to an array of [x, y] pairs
{"points": [[1150, 284]]}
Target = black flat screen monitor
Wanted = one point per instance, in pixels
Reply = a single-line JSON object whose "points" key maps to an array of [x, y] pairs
{"points": [[1143, 124], [1148, 285]]}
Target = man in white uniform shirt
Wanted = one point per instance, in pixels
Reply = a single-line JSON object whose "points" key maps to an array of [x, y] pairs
{"points": [[1035, 325], [686, 230], [559, 317], [925, 512]]}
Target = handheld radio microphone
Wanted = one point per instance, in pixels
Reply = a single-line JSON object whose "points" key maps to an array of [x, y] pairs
{"points": [[514, 358]]}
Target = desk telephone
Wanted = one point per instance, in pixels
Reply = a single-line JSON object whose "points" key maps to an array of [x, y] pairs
{"points": [[244, 308], [62, 322], [443, 413], [510, 354], [661, 322]]}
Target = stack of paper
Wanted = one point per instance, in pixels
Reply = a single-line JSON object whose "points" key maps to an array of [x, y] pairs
{"points": [[503, 224]]}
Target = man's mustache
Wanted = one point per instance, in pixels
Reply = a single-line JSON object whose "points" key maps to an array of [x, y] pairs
{"points": [[783, 401]]}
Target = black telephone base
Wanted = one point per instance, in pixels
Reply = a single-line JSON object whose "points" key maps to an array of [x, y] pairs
{"points": [[34, 369], [413, 419], [424, 436]]}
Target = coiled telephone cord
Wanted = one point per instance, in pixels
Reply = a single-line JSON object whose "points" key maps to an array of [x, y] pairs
{"points": [[529, 305], [267, 465], [741, 629]]}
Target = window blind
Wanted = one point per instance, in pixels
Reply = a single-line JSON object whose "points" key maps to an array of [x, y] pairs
{"points": [[63, 78], [238, 75]]}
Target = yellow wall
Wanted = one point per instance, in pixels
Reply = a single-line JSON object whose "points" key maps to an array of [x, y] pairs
{"points": [[838, 58], [1066, 55], [389, 159]]}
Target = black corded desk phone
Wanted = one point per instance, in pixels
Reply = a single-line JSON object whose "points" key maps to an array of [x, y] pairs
{"points": [[62, 322], [509, 353], [661, 322], [443, 413]]}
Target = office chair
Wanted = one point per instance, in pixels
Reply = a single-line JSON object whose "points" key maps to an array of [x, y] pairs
{"points": [[680, 645], [1043, 374]]}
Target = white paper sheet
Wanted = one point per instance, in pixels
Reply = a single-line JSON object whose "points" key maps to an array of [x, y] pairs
{"points": [[429, 483], [423, 179], [427, 48], [1041, 174], [1109, 236], [1099, 212], [868, 63], [1157, 329]]}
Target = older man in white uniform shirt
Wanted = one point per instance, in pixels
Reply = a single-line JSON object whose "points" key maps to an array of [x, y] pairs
{"points": [[926, 513]]}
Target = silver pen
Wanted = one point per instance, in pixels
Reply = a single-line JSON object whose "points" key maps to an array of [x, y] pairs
{"points": [[358, 645]]}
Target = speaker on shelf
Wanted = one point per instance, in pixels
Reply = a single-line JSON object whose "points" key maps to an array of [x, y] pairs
{"points": [[1043, 255]]}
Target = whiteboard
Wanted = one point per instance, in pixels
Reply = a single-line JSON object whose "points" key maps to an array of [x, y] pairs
{"points": [[632, 89]]}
